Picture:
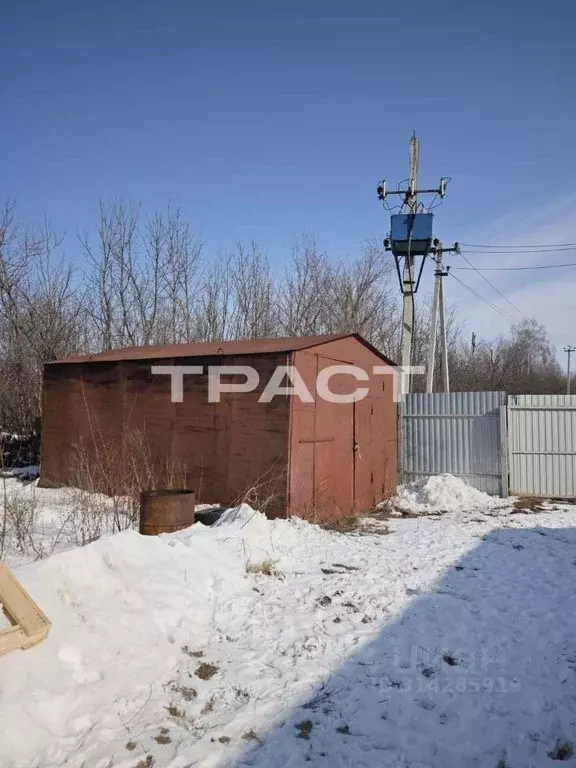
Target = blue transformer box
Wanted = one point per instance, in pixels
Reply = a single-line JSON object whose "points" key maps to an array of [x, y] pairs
{"points": [[413, 228]]}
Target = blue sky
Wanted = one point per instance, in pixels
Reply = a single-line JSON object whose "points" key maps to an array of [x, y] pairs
{"points": [[264, 119]]}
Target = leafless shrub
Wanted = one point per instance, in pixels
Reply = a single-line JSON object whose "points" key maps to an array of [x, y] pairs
{"points": [[111, 473], [18, 519], [89, 517], [21, 514], [267, 493]]}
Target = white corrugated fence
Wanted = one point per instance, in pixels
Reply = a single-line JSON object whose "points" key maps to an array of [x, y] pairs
{"points": [[522, 444], [542, 445], [456, 432]]}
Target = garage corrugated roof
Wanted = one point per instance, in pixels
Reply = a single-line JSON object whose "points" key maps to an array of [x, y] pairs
{"points": [[212, 348]]}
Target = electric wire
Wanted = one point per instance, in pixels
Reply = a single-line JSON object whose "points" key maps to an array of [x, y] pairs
{"points": [[515, 269], [483, 298], [522, 247], [487, 252], [494, 287]]}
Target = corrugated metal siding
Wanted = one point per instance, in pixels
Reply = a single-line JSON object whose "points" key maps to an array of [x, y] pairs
{"points": [[456, 432], [542, 445]]}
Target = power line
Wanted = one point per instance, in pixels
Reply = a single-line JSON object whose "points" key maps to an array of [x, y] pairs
{"points": [[494, 287], [515, 269], [483, 298], [486, 252], [523, 247]]}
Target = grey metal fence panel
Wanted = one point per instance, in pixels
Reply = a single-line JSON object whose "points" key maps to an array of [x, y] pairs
{"points": [[542, 445], [456, 432]]}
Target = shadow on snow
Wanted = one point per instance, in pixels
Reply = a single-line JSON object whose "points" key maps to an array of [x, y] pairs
{"points": [[478, 670]]}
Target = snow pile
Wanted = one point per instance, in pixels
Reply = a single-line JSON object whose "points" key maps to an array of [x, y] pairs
{"points": [[448, 642], [30, 472], [443, 493]]}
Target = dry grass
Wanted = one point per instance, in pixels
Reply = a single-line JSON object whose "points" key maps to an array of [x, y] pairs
{"points": [[174, 711], [529, 504], [193, 654], [346, 524], [208, 707], [265, 567], [268, 492], [562, 751], [206, 671], [387, 511], [304, 729], [188, 693], [359, 525]]}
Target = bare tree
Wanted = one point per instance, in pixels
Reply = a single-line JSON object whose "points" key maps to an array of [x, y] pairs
{"points": [[41, 315], [181, 286], [361, 298], [303, 291], [214, 313], [142, 277], [148, 282], [254, 294]]}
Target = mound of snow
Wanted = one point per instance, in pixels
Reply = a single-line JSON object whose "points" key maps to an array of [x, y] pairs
{"points": [[340, 627], [442, 493]]}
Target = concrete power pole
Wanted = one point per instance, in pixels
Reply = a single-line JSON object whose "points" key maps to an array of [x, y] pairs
{"points": [[411, 201], [410, 239], [568, 351], [438, 313]]}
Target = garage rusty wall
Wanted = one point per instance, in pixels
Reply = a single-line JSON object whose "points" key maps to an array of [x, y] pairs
{"points": [[343, 456], [104, 418], [121, 412]]}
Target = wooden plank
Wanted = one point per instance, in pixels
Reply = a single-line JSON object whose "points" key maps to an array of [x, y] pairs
{"points": [[12, 638], [31, 624]]}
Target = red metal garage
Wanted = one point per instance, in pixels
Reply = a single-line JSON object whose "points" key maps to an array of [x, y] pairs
{"points": [[318, 459]]}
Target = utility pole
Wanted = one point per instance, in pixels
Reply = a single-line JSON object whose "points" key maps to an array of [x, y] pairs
{"points": [[411, 201], [410, 238], [438, 312], [445, 372], [568, 351]]}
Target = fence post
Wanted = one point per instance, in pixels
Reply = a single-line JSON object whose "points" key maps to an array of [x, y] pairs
{"points": [[504, 483], [401, 442]]}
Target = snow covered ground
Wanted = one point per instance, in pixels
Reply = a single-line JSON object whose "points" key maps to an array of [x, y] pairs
{"points": [[449, 641]]}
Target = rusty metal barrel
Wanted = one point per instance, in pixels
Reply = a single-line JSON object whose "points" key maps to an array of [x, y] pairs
{"points": [[166, 511]]}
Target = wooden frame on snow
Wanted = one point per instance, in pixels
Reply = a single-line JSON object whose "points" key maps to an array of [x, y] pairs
{"points": [[28, 624]]}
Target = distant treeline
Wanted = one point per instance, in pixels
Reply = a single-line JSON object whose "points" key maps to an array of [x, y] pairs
{"points": [[137, 280]]}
